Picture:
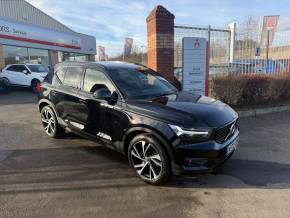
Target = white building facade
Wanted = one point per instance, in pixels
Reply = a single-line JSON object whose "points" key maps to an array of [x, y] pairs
{"points": [[28, 35]]}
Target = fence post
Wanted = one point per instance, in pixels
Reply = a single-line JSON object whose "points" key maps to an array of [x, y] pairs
{"points": [[208, 41], [232, 27]]}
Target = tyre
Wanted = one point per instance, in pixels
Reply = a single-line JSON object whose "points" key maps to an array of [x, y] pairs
{"points": [[149, 159], [3, 86], [50, 124], [34, 84]]}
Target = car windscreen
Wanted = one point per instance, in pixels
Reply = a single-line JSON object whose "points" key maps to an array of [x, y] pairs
{"points": [[37, 68], [140, 83]]}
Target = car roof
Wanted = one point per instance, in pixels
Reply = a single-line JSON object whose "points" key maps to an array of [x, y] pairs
{"points": [[22, 64], [109, 65]]}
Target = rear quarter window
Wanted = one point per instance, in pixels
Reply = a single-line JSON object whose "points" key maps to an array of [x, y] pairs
{"points": [[58, 76], [73, 77]]}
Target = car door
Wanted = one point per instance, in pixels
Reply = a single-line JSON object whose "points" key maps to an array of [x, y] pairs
{"points": [[66, 100], [103, 119], [24, 75], [14, 75]]}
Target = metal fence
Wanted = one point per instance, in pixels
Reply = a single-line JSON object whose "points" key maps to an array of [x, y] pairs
{"points": [[218, 39], [248, 55], [251, 57]]}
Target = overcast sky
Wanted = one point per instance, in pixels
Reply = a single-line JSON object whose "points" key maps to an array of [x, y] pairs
{"points": [[112, 20]]}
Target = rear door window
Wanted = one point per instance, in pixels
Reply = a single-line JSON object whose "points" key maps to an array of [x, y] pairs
{"points": [[12, 68], [58, 77], [73, 77], [17, 68]]}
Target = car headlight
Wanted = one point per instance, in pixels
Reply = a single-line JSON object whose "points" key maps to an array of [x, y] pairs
{"points": [[191, 134]]}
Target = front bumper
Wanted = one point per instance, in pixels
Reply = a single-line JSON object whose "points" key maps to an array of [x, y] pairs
{"points": [[205, 156]]}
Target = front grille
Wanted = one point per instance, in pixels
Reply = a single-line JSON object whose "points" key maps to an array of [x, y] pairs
{"points": [[224, 133]]}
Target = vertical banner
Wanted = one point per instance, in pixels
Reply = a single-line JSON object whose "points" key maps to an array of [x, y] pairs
{"points": [[195, 65], [268, 30], [102, 53], [128, 46]]}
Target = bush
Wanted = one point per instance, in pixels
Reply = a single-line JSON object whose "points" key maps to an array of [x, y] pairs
{"points": [[251, 89]]}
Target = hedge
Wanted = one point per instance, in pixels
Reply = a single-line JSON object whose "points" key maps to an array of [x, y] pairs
{"points": [[251, 89]]}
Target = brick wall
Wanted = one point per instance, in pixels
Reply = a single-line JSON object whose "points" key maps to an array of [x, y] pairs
{"points": [[160, 33]]}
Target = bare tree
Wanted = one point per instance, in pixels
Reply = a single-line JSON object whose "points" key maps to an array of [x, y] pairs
{"points": [[250, 28]]}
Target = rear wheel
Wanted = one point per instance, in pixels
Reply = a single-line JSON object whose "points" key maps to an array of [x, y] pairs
{"points": [[50, 124], [3, 86], [149, 159]]}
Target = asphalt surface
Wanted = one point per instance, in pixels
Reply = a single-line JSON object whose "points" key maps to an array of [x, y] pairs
{"points": [[73, 177]]}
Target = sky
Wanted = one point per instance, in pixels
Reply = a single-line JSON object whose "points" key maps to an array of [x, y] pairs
{"points": [[110, 21]]}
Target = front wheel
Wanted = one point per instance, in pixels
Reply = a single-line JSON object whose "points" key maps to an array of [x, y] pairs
{"points": [[34, 84], [50, 124], [148, 157]]}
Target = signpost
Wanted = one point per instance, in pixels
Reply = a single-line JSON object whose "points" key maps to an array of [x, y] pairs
{"points": [[195, 65], [269, 28]]}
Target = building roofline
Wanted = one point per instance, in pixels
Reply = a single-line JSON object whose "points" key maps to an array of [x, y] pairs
{"points": [[49, 16]]}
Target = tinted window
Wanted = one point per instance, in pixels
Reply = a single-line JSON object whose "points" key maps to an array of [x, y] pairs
{"points": [[95, 80], [12, 68], [141, 83], [73, 77], [21, 68], [17, 68], [58, 76], [37, 68]]}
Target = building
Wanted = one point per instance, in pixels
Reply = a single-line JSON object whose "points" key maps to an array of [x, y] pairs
{"points": [[29, 35]]}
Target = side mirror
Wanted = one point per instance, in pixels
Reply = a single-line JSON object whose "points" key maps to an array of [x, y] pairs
{"points": [[25, 72], [103, 93]]}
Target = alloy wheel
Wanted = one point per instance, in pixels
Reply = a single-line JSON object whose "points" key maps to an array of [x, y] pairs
{"points": [[146, 160], [48, 122]]}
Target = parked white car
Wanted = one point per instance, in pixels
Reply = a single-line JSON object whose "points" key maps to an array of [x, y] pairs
{"points": [[28, 75]]}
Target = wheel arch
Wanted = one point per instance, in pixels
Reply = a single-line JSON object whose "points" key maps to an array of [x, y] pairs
{"points": [[133, 132], [44, 102], [5, 79]]}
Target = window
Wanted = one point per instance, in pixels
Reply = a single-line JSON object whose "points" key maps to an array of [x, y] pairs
{"points": [[17, 68], [73, 77], [37, 68], [21, 68], [66, 56], [15, 55], [38, 56], [95, 80], [59, 76], [22, 55], [13, 68], [139, 83]]}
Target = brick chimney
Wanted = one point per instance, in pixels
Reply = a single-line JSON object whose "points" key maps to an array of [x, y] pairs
{"points": [[160, 32]]}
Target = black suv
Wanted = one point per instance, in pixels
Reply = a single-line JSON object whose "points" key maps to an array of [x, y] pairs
{"points": [[137, 112]]}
